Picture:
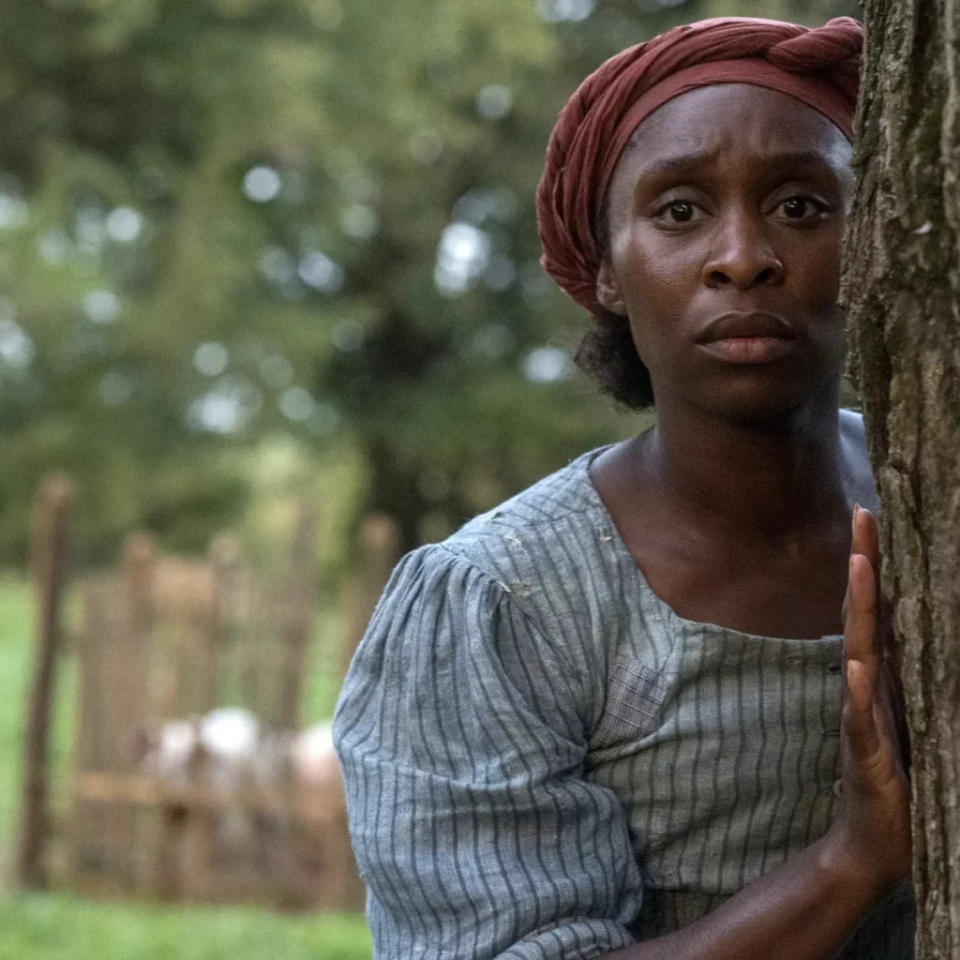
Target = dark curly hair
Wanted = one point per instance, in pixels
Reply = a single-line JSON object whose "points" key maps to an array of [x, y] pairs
{"points": [[607, 351]]}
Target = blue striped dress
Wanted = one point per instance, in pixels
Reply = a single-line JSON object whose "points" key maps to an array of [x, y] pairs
{"points": [[543, 760]]}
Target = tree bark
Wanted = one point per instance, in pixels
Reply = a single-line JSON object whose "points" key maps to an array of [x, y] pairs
{"points": [[902, 287]]}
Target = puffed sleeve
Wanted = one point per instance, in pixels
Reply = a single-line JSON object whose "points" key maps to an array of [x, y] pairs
{"points": [[462, 734]]}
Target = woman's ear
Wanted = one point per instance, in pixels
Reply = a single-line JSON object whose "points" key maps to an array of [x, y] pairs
{"points": [[608, 290]]}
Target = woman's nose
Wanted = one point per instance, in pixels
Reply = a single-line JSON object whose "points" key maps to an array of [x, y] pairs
{"points": [[742, 255]]}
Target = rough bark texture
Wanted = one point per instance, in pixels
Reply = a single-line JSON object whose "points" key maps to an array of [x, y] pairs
{"points": [[903, 290]]}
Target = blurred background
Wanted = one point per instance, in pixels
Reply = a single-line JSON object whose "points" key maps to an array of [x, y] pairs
{"points": [[271, 313]]}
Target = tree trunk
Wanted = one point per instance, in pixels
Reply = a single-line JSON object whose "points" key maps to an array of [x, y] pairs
{"points": [[903, 289]]}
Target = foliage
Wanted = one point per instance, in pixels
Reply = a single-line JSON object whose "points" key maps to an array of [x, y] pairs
{"points": [[224, 218]]}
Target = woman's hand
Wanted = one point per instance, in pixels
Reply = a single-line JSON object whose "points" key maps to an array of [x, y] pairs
{"points": [[871, 831], [808, 907]]}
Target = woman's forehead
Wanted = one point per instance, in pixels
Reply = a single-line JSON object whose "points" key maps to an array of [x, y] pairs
{"points": [[736, 118]]}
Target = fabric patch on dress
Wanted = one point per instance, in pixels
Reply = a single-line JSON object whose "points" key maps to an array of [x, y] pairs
{"points": [[634, 697]]}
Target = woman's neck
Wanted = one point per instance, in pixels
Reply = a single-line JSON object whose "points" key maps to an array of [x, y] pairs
{"points": [[755, 478]]}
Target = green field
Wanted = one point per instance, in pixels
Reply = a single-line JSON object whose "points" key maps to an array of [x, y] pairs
{"points": [[59, 926]]}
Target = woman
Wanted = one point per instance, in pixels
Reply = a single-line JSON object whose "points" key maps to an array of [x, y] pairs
{"points": [[605, 718]]}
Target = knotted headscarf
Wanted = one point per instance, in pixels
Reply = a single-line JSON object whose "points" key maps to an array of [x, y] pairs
{"points": [[819, 67]]}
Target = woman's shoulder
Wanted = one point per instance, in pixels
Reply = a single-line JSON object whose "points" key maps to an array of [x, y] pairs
{"points": [[550, 552], [856, 456], [566, 493], [549, 558], [852, 427], [535, 528]]}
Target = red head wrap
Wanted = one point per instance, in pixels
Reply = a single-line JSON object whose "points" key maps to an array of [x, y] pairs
{"points": [[819, 67]]}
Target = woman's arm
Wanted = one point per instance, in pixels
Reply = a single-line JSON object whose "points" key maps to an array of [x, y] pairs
{"points": [[462, 735], [809, 907], [805, 910]]}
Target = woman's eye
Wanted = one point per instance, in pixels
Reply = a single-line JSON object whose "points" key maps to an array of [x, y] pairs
{"points": [[679, 211], [800, 208]]}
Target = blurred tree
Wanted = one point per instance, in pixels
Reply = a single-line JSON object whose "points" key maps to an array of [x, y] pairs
{"points": [[222, 218], [128, 249]]}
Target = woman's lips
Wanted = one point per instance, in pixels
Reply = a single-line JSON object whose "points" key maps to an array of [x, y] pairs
{"points": [[749, 349], [750, 337]]}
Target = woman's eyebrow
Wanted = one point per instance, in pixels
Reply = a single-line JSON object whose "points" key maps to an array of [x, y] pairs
{"points": [[803, 159], [692, 163], [677, 165]]}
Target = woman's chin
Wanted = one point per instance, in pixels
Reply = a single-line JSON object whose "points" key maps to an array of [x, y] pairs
{"points": [[766, 402]]}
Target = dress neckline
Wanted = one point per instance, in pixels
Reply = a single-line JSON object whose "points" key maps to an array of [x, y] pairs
{"points": [[626, 559]]}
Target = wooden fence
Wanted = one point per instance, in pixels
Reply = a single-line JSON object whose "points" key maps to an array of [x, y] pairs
{"points": [[156, 810]]}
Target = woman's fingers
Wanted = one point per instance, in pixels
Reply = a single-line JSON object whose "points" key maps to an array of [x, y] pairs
{"points": [[873, 815], [862, 664], [866, 539], [860, 623], [888, 692], [863, 734]]}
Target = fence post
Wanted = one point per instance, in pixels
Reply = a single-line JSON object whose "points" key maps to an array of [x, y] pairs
{"points": [[48, 559], [379, 549], [131, 706], [298, 603]]}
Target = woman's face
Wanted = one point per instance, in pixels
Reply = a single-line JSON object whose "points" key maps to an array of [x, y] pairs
{"points": [[726, 215]]}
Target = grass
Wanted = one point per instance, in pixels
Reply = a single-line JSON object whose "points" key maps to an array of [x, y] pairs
{"points": [[61, 926], [57, 927], [15, 652]]}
